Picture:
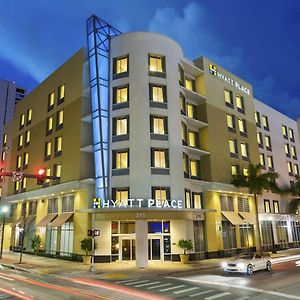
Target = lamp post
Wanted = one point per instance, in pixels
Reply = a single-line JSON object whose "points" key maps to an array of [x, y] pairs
{"points": [[4, 211]]}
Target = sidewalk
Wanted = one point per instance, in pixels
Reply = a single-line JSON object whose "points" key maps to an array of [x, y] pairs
{"points": [[124, 269]]}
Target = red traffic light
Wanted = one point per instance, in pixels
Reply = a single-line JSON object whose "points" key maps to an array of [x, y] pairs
{"points": [[41, 172], [41, 176]]}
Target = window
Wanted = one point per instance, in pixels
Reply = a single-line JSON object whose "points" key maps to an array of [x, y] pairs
{"points": [[265, 122], [61, 93], [49, 125], [48, 173], [191, 111], [58, 144], [156, 64], [17, 185], [245, 171], [193, 139], [291, 134], [257, 118], [68, 203], [262, 160], [267, 206], [284, 131], [120, 94], [180, 75], [121, 159], [276, 207], [32, 208], [182, 104], [121, 65], [160, 193], [121, 195], [234, 170], [19, 162], [188, 203], [25, 159], [296, 169], [240, 103], [52, 206], [24, 183], [268, 142], [259, 139], [120, 126], [195, 168], [231, 122], [48, 148], [226, 203], [158, 125], [3, 155], [270, 162], [242, 126], [189, 84], [158, 93], [20, 141], [243, 204], [233, 147], [290, 168], [244, 150], [29, 115], [27, 137], [4, 141], [197, 200], [22, 121], [51, 100], [59, 119], [57, 170], [294, 152], [185, 165], [159, 158], [228, 98], [184, 133]]}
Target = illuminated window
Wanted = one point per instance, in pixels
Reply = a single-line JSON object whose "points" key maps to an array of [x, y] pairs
{"points": [[158, 125], [257, 118], [160, 193], [158, 93], [270, 162], [289, 166], [240, 103], [276, 207], [180, 75], [120, 94], [268, 141], [48, 173], [121, 195], [4, 141], [231, 121], [22, 121], [48, 148], [17, 185], [3, 155], [189, 83], [25, 159], [265, 122], [58, 144], [191, 111], [233, 146], [51, 100], [121, 159], [188, 199], [195, 168], [234, 170], [159, 158], [29, 115], [294, 152], [287, 150], [184, 133], [228, 98], [61, 93], [57, 170], [120, 126], [121, 66], [20, 141], [49, 125], [193, 139], [284, 131], [296, 169], [259, 138], [242, 125], [182, 104], [59, 119], [245, 171], [291, 134], [24, 183], [156, 64], [244, 150], [19, 162], [197, 200], [27, 137], [185, 164], [267, 206], [262, 159]]}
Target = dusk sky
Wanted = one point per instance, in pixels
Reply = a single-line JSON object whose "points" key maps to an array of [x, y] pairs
{"points": [[258, 40]]}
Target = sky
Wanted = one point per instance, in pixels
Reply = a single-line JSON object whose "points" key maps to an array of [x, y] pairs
{"points": [[258, 40]]}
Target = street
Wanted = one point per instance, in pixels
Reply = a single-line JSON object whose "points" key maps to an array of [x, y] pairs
{"points": [[283, 282]]}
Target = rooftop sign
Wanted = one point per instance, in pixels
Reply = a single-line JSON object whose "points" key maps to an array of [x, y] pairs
{"points": [[213, 70]]}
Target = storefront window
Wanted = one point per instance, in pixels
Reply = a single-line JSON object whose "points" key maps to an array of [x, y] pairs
{"points": [[127, 227], [154, 227], [228, 235], [199, 239], [115, 245], [66, 239], [282, 234], [166, 226], [267, 235], [296, 231], [114, 227], [246, 234]]}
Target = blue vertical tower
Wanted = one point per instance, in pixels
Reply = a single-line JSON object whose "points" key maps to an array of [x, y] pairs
{"points": [[99, 34]]}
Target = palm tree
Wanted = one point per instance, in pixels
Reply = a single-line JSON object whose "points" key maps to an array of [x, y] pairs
{"points": [[256, 182]]}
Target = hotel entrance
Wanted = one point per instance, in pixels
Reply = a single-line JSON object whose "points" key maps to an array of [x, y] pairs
{"points": [[128, 248], [155, 249]]}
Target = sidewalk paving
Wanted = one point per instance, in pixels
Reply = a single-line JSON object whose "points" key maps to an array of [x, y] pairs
{"points": [[123, 269]]}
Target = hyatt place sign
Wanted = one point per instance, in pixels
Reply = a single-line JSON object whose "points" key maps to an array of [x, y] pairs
{"points": [[213, 70]]}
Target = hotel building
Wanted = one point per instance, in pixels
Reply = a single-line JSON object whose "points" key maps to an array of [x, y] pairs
{"points": [[145, 143]]}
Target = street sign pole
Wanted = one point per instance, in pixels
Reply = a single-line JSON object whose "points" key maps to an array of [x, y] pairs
{"points": [[93, 244]]}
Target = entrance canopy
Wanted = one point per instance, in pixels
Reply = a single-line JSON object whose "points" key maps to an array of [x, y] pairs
{"points": [[60, 220], [233, 218], [249, 217], [46, 220]]}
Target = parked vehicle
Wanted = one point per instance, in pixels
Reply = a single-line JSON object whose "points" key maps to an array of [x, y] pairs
{"points": [[248, 263]]}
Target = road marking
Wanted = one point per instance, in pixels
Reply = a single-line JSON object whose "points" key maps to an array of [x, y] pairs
{"points": [[7, 278], [186, 290], [129, 280], [145, 284], [172, 288], [158, 286], [201, 293], [217, 296], [243, 298], [132, 283]]}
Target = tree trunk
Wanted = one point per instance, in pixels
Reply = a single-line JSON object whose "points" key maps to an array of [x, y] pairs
{"points": [[257, 232], [22, 244]]}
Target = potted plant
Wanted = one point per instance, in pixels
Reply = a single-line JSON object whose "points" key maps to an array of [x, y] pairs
{"points": [[86, 245], [186, 245], [36, 244]]}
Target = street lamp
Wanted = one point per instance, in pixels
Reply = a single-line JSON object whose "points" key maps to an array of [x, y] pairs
{"points": [[4, 210]]}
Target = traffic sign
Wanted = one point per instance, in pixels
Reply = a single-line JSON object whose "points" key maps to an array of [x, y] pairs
{"points": [[96, 232], [17, 176]]}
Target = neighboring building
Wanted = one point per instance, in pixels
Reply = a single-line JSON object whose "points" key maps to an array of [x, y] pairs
{"points": [[278, 139], [153, 136]]}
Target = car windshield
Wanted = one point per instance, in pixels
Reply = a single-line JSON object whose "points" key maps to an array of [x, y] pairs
{"points": [[245, 256]]}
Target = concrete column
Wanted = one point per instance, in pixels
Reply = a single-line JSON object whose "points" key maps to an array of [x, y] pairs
{"points": [[274, 232], [141, 228]]}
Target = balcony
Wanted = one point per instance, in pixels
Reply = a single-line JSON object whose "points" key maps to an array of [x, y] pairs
{"points": [[189, 94], [194, 122], [190, 68], [195, 151]]}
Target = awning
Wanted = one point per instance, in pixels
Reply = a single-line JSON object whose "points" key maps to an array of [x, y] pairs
{"points": [[60, 220], [17, 222], [29, 220], [46, 220], [249, 217], [234, 218]]}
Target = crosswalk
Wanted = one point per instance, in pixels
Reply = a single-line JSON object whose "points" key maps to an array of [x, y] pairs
{"points": [[176, 290]]}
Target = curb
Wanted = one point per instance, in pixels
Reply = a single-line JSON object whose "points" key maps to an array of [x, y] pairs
{"points": [[14, 267]]}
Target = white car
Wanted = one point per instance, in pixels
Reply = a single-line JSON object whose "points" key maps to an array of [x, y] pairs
{"points": [[248, 263]]}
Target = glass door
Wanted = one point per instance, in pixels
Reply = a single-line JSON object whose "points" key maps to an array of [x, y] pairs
{"points": [[128, 249], [154, 248]]}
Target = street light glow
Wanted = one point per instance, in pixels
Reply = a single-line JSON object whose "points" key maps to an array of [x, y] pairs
{"points": [[5, 209]]}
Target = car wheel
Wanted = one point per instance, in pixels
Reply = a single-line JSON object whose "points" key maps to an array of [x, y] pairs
{"points": [[249, 269], [268, 266]]}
